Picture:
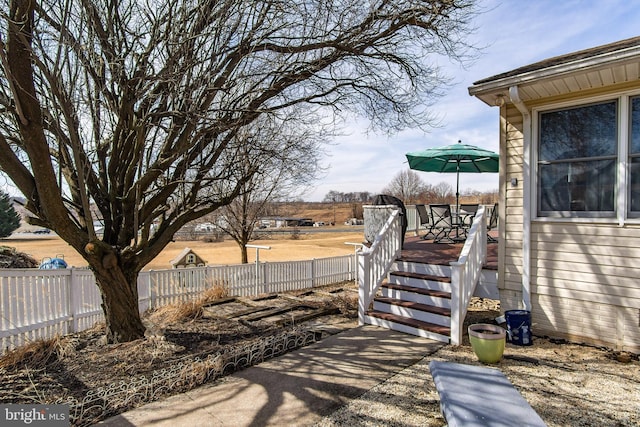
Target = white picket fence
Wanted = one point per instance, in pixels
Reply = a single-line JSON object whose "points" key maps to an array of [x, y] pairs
{"points": [[40, 304]]}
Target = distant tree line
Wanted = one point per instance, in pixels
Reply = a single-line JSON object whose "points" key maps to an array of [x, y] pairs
{"points": [[339, 197], [409, 187]]}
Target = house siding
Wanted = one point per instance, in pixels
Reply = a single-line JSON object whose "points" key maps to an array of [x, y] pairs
{"points": [[584, 276], [585, 280], [511, 218]]}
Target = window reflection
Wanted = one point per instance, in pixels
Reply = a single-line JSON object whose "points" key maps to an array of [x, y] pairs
{"points": [[634, 158], [634, 185], [578, 186], [577, 161]]}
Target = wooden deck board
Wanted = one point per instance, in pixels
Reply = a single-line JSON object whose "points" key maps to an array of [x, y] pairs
{"points": [[415, 249]]}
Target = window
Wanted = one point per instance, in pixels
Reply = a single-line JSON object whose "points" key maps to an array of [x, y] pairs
{"points": [[577, 161], [191, 259], [634, 158]]}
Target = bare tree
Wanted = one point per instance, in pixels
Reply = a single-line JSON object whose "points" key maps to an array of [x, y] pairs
{"points": [[487, 197], [291, 165], [442, 193], [407, 185], [132, 109], [333, 196]]}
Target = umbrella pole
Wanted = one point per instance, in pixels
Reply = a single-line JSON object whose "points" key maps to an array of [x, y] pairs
{"points": [[457, 198], [458, 188]]}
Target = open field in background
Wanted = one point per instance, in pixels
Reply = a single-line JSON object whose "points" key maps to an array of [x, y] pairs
{"points": [[325, 212], [311, 242], [283, 248]]}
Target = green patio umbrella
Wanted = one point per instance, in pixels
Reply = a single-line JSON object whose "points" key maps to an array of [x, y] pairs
{"points": [[456, 158]]}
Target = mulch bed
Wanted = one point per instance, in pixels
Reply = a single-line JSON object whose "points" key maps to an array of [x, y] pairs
{"points": [[73, 366]]}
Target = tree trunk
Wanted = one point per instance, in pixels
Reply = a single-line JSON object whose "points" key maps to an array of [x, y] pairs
{"points": [[119, 290]]}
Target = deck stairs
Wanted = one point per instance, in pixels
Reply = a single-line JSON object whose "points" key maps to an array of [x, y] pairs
{"points": [[415, 298]]}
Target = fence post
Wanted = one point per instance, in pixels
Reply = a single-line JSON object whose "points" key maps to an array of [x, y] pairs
{"points": [[265, 277], [257, 248], [144, 291], [483, 234], [313, 272], [152, 288], [457, 279], [73, 292], [364, 283], [357, 247]]}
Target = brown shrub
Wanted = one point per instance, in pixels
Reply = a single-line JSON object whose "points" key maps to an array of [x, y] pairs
{"points": [[216, 291]]}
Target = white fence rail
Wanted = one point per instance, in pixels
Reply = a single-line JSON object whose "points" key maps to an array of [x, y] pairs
{"points": [[466, 271], [375, 262], [39, 304]]}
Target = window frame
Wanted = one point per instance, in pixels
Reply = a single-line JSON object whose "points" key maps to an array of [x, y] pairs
{"points": [[629, 156], [622, 190]]}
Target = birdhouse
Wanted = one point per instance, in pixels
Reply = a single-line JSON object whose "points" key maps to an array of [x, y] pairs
{"points": [[188, 258]]}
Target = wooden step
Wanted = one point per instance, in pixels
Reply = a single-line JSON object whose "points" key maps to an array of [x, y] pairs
{"points": [[415, 306], [421, 291], [421, 276], [425, 326]]}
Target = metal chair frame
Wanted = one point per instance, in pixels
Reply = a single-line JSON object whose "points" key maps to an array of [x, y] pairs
{"points": [[493, 223], [426, 221], [470, 210], [442, 222]]}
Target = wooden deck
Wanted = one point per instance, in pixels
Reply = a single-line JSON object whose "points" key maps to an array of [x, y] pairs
{"points": [[425, 251]]}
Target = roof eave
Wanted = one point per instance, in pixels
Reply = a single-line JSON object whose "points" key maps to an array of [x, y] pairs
{"points": [[488, 89]]}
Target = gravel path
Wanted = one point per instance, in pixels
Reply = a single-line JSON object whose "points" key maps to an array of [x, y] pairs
{"points": [[567, 385]]}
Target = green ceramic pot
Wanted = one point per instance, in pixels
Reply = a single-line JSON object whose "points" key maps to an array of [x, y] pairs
{"points": [[487, 341]]}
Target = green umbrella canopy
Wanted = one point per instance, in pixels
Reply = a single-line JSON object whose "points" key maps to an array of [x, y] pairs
{"points": [[456, 158]]}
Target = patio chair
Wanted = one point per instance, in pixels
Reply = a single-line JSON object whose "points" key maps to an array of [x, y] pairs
{"points": [[425, 221], [493, 223], [467, 212], [442, 222]]}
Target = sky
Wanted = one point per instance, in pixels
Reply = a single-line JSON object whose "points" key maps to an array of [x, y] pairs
{"points": [[514, 33]]}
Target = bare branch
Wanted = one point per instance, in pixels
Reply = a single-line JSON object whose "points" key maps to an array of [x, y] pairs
{"points": [[138, 113]]}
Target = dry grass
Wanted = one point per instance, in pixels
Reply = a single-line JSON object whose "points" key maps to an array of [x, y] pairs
{"points": [[37, 354], [217, 290], [347, 305], [284, 246], [198, 372], [179, 312], [187, 310]]}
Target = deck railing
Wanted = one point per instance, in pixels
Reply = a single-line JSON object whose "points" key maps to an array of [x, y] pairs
{"points": [[465, 273], [375, 261], [40, 304]]}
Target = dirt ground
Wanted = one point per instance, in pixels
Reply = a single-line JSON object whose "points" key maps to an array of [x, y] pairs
{"points": [[567, 384], [308, 245], [76, 366]]}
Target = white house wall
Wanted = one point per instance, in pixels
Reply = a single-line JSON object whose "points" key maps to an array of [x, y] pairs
{"points": [[511, 218], [584, 276]]}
